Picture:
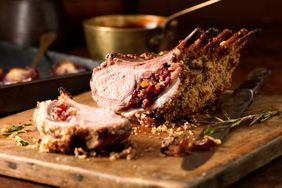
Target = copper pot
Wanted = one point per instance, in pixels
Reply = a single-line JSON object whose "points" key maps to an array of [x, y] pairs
{"points": [[126, 34], [23, 21]]}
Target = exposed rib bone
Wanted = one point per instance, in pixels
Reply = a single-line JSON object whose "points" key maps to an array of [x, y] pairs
{"points": [[203, 40], [213, 45], [229, 43], [241, 42]]}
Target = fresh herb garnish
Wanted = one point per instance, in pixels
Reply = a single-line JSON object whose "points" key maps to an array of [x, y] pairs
{"points": [[21, 141], [246, 120], [16, 128], [209, 139], [209, 131], [249, 119]]}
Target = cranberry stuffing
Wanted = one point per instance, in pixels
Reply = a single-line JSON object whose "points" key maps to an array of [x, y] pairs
{"points": [[166, 82], [148, 89], [164, 73], [145, 103], [60, 111]]}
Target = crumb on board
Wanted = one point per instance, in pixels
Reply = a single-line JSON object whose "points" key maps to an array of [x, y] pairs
{"points": [[128, 153], [4, 129], [177, 144], [174, 128], [33, 146], [80, 153], [179, 136], [125, 151]]}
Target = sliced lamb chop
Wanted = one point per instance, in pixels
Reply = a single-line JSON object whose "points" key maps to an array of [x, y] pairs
{"points": [[64, 125], [174, 84]]}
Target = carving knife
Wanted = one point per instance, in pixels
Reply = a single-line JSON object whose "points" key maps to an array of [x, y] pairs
{"points": [[234, 107]]}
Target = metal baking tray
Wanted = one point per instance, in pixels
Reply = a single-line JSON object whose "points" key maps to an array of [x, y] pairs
{"points": [[24, 95]]}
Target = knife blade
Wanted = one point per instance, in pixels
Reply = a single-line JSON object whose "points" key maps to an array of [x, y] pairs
{"points": [[234, 107]]}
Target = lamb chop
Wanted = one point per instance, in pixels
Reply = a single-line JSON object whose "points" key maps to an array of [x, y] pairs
{"points": [[174, 84], [65, 125]]}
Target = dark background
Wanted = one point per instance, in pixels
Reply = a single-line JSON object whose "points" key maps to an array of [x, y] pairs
{"points": [[66, 16], [233, 14]]}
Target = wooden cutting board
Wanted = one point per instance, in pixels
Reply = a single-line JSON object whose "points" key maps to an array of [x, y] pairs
{"points": [[246, 149]]}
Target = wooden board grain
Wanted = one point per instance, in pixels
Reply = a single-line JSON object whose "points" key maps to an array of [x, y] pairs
{"points": [[246, 149]]}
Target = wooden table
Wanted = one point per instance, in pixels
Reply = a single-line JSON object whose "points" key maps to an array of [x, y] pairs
{"points": [[265, 51]]}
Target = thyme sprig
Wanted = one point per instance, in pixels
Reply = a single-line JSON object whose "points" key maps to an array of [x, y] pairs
{"points": [[215, 131], [11, 131], [15, 129], [21, 141]]}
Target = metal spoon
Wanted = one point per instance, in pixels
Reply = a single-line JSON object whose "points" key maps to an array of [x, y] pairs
{"points": [[46, 39], [180, 13]]}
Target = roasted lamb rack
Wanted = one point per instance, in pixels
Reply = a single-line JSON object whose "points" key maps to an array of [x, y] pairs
{"points": [[174, 84]]}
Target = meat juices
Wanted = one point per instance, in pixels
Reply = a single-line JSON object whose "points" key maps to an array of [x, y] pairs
{"points": [[64, 124], [172, 85]]}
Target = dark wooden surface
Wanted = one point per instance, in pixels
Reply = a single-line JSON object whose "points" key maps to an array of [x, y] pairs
{"points": [[264, 51], [237, 156]]}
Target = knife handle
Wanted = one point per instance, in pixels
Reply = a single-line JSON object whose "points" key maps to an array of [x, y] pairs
{"points": [[255, 80]]}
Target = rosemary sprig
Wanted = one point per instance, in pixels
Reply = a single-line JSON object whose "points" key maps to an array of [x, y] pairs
{"points": [[16, 128], [249, 119], [21, 141], [209, 131]]}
